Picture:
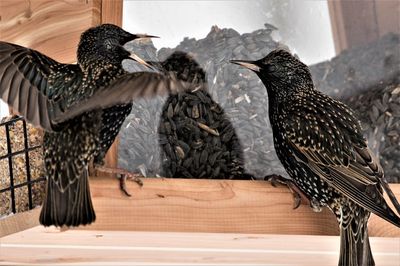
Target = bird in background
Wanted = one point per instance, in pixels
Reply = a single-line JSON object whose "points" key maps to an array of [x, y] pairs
{"points": [[81, 108], [200, 141], [320, 144]]}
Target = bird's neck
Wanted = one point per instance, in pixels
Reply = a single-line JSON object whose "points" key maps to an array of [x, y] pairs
{"points": [[100, 69], [280, 99], [273, 108]]}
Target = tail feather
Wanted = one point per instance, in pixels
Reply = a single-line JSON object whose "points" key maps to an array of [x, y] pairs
{"points": [[73, 207], [355, 249]]}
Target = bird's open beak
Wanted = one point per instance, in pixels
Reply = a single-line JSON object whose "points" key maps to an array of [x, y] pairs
{"points": [[140, 60], [135, 56], [247, 64]]}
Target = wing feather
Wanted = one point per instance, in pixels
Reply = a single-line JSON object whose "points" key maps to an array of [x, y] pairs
{"points": [[347, 164], [123, 90], [37, 87], [25, 82]]}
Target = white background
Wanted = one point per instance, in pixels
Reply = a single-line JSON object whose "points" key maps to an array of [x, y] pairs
{"points": [[304, 25]]}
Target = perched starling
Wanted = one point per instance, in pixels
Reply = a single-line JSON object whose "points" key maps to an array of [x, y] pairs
{"points": [[320, 143], [81, 106], [197, 139]]}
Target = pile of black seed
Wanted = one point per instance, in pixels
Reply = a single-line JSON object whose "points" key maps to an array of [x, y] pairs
{"points": [[244, 100], [198, 140], [379, 112]]}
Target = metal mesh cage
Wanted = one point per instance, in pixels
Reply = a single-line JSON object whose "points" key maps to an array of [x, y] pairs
{"points": [[16, 167]]}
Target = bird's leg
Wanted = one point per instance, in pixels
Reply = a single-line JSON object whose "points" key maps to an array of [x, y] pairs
{"points": [[298, 195], [123, 175]]}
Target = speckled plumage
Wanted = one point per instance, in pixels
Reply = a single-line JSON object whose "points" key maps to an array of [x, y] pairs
{"points": [[112, 119], [320, 143], [81, 106], [68, 152]]}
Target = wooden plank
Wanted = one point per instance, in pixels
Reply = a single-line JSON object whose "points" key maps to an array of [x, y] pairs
{"points": [[42, 246], [353, 23], [111, 12], [337, 24], [388, 16], [19, 222], [190, 205], [111, 159], [52, 27], [357, 22], [184, 205]]}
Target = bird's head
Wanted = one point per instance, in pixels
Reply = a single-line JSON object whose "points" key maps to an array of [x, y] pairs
{"points": [[105, 44], [281, 72], [184, 67]]}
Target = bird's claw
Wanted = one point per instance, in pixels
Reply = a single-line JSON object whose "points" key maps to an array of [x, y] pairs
{"points": [[122, 174], [277, 179], [315, 205], [296, 199], [296, 192], [122, 181], [122, 185]]}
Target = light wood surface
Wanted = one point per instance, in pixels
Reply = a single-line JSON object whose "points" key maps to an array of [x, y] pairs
{"points": [[190, 205], [19, 222], [51, 27], [44, 246]]}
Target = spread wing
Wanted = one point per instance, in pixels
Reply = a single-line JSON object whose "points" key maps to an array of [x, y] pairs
{"points": [[123, 90], [42, 90], [30, 81], [325, 135]]}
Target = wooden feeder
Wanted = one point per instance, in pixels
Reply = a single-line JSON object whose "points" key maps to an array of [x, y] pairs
{"points": [[169, 220]]}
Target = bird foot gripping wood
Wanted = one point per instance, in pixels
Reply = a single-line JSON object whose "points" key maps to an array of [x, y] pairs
{"points": [[123, 175], [315, 205], [298, 195]]}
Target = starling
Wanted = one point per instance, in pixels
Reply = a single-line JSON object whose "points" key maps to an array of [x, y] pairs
{"points": [[81, 108], [197, 139], [320, 143]]}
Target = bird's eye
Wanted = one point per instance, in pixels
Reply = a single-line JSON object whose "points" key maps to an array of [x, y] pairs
{"points": [[270, 68]]}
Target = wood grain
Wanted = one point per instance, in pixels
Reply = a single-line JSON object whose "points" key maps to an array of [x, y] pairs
{"points": [[46, 246], [19, 222], [111, 12], [189, 205], [51, 27]]}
